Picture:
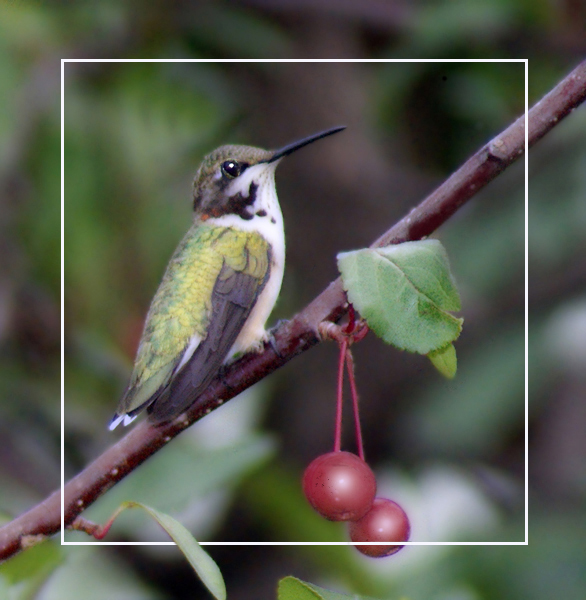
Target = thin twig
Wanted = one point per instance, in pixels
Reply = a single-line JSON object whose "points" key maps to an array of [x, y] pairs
{"points": [[340, 397], [299, 334], [355, 408]]}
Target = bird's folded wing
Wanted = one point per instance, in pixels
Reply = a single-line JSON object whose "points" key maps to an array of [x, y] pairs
{"points": [[234, 296]]}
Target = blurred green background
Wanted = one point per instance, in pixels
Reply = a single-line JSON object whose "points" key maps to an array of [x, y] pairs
{"points": [[452, 453]]}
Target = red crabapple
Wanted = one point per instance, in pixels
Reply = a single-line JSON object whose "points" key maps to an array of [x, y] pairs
{"points": [[386, 521], [340, 486]]}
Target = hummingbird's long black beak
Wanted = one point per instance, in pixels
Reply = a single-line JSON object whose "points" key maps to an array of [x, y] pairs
{"points": [[304, 142]]}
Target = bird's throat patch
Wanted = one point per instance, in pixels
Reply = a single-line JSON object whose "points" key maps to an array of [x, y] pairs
{"points": [[235, 205]]}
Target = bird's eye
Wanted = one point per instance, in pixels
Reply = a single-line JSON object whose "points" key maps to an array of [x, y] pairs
{"points": [[231, 168]]}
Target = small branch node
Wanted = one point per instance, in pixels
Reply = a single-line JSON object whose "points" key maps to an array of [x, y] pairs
{"points": [[330, 331], [497, 150], [353, 331], [27, 541], [81, 524]]}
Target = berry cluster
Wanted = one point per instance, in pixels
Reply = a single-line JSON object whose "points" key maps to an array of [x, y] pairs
{"points": [[340, 486]]}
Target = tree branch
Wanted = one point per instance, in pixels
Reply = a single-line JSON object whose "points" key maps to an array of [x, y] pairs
{"points": [[299, 334]]}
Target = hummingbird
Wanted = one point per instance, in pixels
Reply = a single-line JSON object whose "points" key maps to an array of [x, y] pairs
{"points": [[219, 287]]}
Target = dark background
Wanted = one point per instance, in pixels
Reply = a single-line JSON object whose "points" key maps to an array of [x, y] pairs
{"points": [[452, 452]]}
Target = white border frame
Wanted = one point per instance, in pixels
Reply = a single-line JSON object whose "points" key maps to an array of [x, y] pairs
{"points": [[526, 158]]}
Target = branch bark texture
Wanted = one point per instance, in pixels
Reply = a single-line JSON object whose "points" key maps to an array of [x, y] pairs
{"points": [[299, 334]]}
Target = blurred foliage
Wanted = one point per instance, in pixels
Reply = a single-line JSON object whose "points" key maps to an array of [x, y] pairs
{"points": [[452, 452]]}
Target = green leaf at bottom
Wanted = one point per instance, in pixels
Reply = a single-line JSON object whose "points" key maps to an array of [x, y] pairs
{"points": [[203, 564], [291, 588]]}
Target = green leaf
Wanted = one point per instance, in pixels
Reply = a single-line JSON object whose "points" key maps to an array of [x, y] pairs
{"points": [[207, 570], [444, 360], [404, 292], [291, 588]]}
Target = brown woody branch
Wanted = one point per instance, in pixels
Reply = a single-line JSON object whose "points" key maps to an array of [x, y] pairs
{"points": [[299, 334]]}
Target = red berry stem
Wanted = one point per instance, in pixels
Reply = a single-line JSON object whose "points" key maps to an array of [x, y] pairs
{"points": [[354, 392], [338, 430], [354, 330]]}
